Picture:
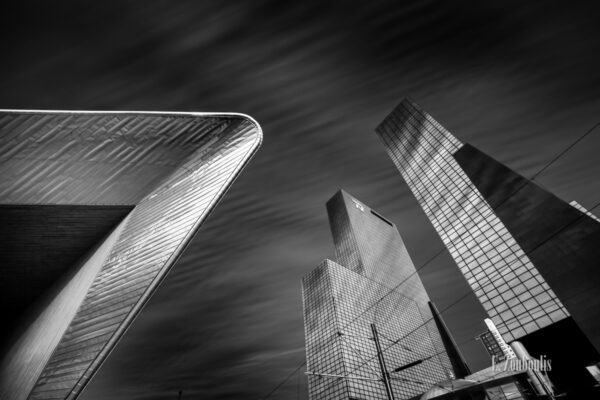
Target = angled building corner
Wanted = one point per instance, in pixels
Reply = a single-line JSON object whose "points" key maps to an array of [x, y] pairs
{"points": [[372, 283], [100, 205], [529, 257]]}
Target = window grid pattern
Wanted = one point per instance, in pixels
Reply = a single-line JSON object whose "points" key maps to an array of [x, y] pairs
{"points": [[347, 252], [339, 311], [363, 238], [518, 299], [584, 210], [508, 391], [323, 352], [492, 346]]}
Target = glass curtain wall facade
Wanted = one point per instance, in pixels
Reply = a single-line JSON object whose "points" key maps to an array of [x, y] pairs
{"points": [[369, 244], [584, 210], [339, 307], [494, 343], [510, 288], [372, 281]]}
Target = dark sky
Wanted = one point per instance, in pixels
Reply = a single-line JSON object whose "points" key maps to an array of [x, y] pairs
{"points": [[519, 80]]}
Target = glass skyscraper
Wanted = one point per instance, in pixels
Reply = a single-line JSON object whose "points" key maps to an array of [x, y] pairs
{"points": [[372, 281], [369, 244], [529, 257], [494, 343], [510, 288]]}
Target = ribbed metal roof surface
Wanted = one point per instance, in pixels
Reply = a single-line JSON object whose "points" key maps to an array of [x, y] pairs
{"points": [[173, 168], [97, 157]]}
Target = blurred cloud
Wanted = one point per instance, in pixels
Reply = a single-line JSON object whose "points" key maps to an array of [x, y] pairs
{"points": [[518, 80]]}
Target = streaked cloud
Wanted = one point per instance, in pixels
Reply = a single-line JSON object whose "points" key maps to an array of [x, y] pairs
{"points": [[520, 81]]}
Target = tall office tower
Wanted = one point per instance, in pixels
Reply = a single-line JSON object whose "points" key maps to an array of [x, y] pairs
{"points": [[494, 343], [530, 257], [370, 245], [365, 286], [96, 208]]}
